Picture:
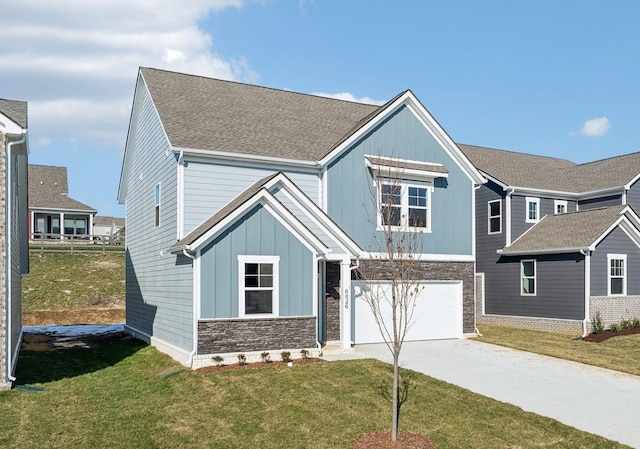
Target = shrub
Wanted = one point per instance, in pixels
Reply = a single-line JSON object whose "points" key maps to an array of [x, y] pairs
{"points": [[598, 325], [625, 325], [635, 322], [217, 360], [242, 359], [286, 356], [615, 327], [304, 353], [265, 357]]}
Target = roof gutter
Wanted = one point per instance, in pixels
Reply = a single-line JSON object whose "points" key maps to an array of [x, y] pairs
{"points": [[533, 252], [587, 291], [238, 157], [9, 227]]}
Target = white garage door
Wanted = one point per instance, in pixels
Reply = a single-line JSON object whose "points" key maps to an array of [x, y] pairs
{"points": [[437, 315]]}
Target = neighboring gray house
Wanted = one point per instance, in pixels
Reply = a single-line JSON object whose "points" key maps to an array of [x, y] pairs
{"points": [[14, 262], [107, 226], [52, 213], [247, 216], [557, 242]]}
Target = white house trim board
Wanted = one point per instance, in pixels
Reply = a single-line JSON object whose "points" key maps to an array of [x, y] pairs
{"points": [[626, 225], [275, 286], [8, 126], [179, 354], [242, 159]]}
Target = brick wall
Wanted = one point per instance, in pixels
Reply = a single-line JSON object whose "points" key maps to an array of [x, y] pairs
{"points": [[614, 309], [332, 301], [435, 271], [261, 334]]}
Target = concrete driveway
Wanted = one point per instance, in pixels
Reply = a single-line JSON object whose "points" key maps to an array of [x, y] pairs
{"points": [[596, 400]]}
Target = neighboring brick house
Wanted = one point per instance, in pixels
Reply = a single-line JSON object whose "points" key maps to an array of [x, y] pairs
{"points": [[14, 260], [248, 210], [557, 242], [52, 213]]}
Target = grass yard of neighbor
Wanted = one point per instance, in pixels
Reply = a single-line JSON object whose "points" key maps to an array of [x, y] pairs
{"points": [[119, 396], [618, 353]]}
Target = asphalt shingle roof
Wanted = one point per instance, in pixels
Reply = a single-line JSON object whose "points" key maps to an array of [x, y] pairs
{"points": [[15, 110], [571, 230], [210, 114], [48, 189]]}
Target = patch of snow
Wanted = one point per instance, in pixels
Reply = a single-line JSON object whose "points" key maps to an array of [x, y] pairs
{"points": [[74, 330]]}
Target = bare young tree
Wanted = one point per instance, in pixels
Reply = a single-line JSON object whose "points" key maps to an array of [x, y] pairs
{"points": [[399, 217]]}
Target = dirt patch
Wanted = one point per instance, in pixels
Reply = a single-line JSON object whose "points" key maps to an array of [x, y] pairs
{"points": [[237, 366], [90, 315], [597, 338], [382, 440]]}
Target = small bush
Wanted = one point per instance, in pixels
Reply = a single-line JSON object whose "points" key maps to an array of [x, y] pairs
{"points": [[635, 322], [265, 357], [217, 360], [286, 356], [625, 325], [598, 325], [304, 353], [615, 327], [242, 359]]}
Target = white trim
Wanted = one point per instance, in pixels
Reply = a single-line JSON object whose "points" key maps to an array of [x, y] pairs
{"points": [[587, 284], [474, 188], [489, 217], [346, 304], [275, 288], [397, 168], [483, 294], [562, 203], [180, 199], [404, 205], [611, 257], [244, 158], [423, 257], [508, 198], [531, 200], [535, 277], [8, 126]]}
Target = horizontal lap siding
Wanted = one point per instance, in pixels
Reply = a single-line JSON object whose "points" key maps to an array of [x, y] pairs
{"points": [[519, 213], [612, 200], [617, 242], [559, 284], [159, 287], [633, 197], [209, 186]]}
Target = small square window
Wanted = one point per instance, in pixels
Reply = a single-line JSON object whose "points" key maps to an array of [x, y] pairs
{"points": [[560, 207], [533, 210], [258, 285]]}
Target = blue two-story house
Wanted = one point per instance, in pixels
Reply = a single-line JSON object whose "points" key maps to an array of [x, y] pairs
{"points": [[557, 243], [251, 210]]}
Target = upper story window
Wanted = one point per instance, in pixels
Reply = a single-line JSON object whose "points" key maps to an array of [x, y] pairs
{"points": [[258, 286], [559, 207], [533, 210], [495, 217], [528, 277], [157, 205], [405, 206], [617, 276]]}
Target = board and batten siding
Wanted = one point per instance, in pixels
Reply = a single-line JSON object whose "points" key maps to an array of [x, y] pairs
{"points": [[351, 202], [617, 242], [612, 200], [159, 290], [258, 233], [559, 285], [209, 186]]}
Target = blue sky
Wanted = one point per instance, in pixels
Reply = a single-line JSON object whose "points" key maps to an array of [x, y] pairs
{"points": [[556, 78]]}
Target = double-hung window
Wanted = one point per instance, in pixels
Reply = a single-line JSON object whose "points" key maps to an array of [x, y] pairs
{"points": [[528, 277], [495, 216], [404, 205], [617, 276], [258, 285], [560, 207], [533, 210]]}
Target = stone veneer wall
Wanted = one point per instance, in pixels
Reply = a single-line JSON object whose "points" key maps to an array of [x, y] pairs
{"points": [[4, 381], [436, 271], [257, 334], [614, 309], [332, 301]]}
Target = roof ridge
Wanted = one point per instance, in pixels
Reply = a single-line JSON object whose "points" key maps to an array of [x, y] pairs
{"points": [[518, 152], [608, 158]]}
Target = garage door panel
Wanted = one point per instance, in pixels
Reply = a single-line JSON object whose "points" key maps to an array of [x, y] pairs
{"points": [[437, 312]]}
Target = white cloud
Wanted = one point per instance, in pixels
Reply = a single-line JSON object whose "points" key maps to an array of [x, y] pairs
{"points": [[595, 127], [75, 62], [350, 97]]}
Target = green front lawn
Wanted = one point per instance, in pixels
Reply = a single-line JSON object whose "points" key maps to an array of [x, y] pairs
{"points": [[119, 396], [618, 353]]}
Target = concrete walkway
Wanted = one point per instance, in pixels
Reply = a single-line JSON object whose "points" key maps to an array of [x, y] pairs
{"points": [[596, 400]]}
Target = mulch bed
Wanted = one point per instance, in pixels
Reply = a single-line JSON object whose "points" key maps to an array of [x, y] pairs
{"points": [[382, 440], [236, 366], [597, 338]]}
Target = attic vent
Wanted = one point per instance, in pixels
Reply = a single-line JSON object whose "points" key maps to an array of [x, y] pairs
{"points": [[55, 183], [41, 182]]}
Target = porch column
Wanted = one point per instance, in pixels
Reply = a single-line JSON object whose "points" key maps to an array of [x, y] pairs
{"points": [[32, 224], [90, 230], [345, 304], [61, 225]]}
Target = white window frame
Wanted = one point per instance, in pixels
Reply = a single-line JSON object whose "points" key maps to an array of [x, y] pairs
{"points": [[404, 204], [157, 200], [275, 306], [489, 217], [536, 201], [610, 276], [534, 277], [562, 203]]}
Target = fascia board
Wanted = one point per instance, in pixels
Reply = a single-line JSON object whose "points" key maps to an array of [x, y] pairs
{"points": [[8, 126], [631, 215], [538, 252], [56, 210], [518, 190], [627, 227], [238, 157], [632, 182], [601, 237]]}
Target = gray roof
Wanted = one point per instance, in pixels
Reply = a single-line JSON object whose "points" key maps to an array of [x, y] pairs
{"points": [[48, 189], [548, 173], [15, 110], [223, 213], [210, 114], [573, 230]]}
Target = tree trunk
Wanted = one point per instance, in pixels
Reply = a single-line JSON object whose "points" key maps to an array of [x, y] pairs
{"points": [[394, 406]]}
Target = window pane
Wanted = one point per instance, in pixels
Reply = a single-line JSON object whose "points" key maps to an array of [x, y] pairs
{"points": [[258, 301], [533, 211], [494, 224], [617, 267], [391, 216], [528, 286], [266, 280], [251, 268], [417, 197], [266, 268], [391, 194], [494, 209], [616, 286], [418, 218], [251, 281], [528, 269]]}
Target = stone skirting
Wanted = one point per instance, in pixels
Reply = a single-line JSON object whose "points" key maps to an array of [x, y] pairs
{"points": [[533, 323], [259, 334], [614, 309], [435, 271]]}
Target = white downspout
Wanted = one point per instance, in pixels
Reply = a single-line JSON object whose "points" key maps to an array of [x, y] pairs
{"points": [[507, 224], [195, 311], [8, 232], [587, 290]]}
